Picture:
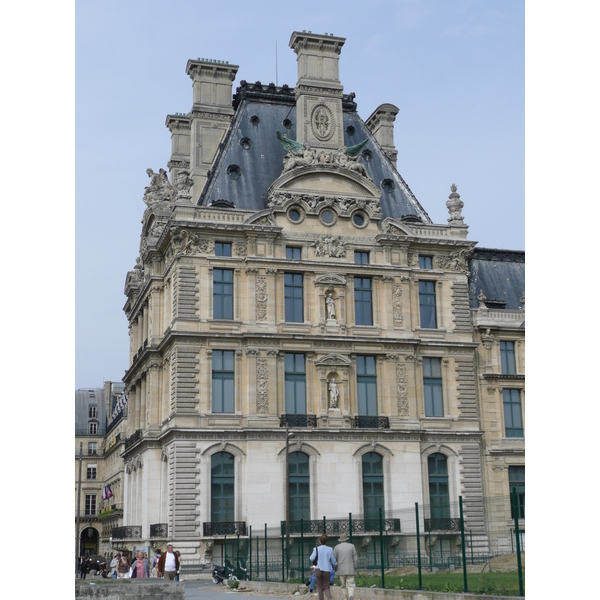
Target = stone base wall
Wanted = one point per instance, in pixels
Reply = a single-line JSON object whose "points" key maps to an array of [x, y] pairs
{"points": [[130, 589]]}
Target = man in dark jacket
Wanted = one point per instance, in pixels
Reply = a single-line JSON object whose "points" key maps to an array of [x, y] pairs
{"points": [[168, 565]]}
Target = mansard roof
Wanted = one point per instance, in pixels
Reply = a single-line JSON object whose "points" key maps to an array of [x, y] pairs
{"points": [[251, 150], [500, 274]]}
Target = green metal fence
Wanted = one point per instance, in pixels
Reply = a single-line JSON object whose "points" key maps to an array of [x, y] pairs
{"points": [[421, 541]]}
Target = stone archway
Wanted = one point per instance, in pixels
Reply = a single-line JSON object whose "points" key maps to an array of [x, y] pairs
{"points": [[89, 541]]}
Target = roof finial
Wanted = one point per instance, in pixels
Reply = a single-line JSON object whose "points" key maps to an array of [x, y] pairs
{"points": [[455, 204]]}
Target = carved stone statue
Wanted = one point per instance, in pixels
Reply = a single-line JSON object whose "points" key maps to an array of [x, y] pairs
{"points": [[183, 185], [334, 393], [160, 188], [330, 304]]}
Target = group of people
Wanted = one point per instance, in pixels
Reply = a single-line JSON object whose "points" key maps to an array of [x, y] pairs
{"points": [[341, 561], [165, 565]]}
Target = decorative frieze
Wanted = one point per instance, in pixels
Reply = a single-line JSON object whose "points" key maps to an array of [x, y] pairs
{"points": [[261, 298], [402, 388], [262, 386], [330, 245], [397, 307]]}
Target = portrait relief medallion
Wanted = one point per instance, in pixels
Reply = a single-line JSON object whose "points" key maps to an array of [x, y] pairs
{"points": [[322, 122]]}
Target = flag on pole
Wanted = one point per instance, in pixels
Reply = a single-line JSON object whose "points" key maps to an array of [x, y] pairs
{"points": [[108, 492], [104, 496]]}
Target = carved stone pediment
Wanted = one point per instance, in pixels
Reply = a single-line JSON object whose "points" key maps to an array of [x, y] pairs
{"points": [[333, 360], [329, 279], [264, 218], [393, 227]]}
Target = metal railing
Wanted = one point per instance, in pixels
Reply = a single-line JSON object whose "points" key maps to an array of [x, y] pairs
{"points": [[127, 532], [339, 526], [159, 530], [133, 438], [442, 524], [298, 420], [363, 422], [225, 528]]}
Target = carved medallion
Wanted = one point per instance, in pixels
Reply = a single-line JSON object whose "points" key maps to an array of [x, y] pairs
{"points": [[322, 122]]}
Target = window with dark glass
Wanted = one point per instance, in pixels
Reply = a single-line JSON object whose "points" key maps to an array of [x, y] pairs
{"points": [[222, 480], [294, 297], [513, 417], [361, 258], [90, 504], [93, 412], [293, 253], [222, 249], [366, 386], [373, 498], [363, 301], [299, 487], [92, 447], [222, 294], [93, 428], [516, 483], [507, 358], [439, 491], [91, 471], [432, 387], [223, 375], [427, 304], [425, 262], [295, 384]]}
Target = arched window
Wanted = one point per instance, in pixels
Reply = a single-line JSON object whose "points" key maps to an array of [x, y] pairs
{"points": [[439, 493], [372, 475], [222, 488], [299, 487]]}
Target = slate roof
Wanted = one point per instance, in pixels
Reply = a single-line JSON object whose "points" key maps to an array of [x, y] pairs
{"points": [[261, 111], [501, 275], [84, 398]]}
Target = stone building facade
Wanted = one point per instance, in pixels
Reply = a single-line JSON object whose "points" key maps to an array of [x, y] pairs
{"points": [[288, 275]]}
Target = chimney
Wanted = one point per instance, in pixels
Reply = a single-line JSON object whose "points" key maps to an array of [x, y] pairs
{"points": [[318, 91], [381, 125], [211, 114]]}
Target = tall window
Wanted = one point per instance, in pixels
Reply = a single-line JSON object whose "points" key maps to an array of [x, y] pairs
{"points": [[425, 262], [516, 482], [513, 418], [439, 492], [366, 386], [299, 487], [222, 508], [222, 249], [93, 428], [222, 294], [427, 304], [361, 258], [295, 384], [363, 301], [373, 500], [294, 297], [507, 358], [223, 374], [293, 253], [92, 447], [90, 504], [432, 387], [91, 471], [93, 412]]}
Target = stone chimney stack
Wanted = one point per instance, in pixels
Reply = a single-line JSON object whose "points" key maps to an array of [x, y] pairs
{"points": [[210, 116], [381, 125], [318, 91]]}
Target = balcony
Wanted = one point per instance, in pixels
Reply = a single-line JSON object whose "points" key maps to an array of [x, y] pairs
{"points": [[133, 438], [87, 515], [298, 420], [443, 524], [112, 511], [338, 526], [362, 422], [159, 531], [127, 532], [225, 528]]}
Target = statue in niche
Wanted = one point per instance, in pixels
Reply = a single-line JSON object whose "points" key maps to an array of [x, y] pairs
{"points": [[334, 393], [330, 304]]}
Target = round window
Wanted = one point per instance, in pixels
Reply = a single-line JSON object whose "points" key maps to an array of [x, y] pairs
{"points": [[367, 155], [294, 214], [358, 219], [234, 171], [387, 185], [245, 143], [287, 123], [327, 217], [350, 130], [254, 120]]}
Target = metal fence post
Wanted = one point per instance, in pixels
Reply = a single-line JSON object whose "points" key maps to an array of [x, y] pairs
{"points": [[419, 546], [302, 547], [518, 541], [283, 556], [471, 538], [350, 526], [250, 554], [462, 544], [266, 566], [324, 525], [381, 547], [237, 553], [257, 557]]}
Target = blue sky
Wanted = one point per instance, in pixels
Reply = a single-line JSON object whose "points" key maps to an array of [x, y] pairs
{"points": [[456, 70]]}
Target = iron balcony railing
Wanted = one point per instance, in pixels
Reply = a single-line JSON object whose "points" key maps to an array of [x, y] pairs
{"points": [[442, 524], [225, 528], [338, 526], [127, 532], [298, 420], [159, 530], [363, 422], [133, 438]]}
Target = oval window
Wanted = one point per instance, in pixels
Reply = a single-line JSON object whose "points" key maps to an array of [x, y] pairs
{"points": [[294, 214], [327, 217], [358, 219]]}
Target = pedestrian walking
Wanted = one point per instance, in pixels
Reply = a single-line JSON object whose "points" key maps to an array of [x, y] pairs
{"points": [[140, 567], [122, 567], [313, 580], [113, 565], [178, 564], [326, 563], [155, 560], [82, 567], [347, 559], [168, 565]]}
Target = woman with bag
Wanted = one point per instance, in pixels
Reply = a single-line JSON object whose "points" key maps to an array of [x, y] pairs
{"points": [[122, 567], [323, 558]]}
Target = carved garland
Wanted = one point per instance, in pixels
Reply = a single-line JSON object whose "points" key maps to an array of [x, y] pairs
{"points": [[262, 386]]}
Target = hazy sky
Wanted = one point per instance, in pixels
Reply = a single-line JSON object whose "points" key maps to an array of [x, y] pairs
{"points": [[454, 69]]}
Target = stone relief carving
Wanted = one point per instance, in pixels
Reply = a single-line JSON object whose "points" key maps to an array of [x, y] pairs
{"points": [[330, 245], [316, 202], [456, 261], [397, 304], [261, 298], [322, 122], [185, 242], [401, 388], [183, 186], [160, 188], [241, 248], [262, 386]]}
